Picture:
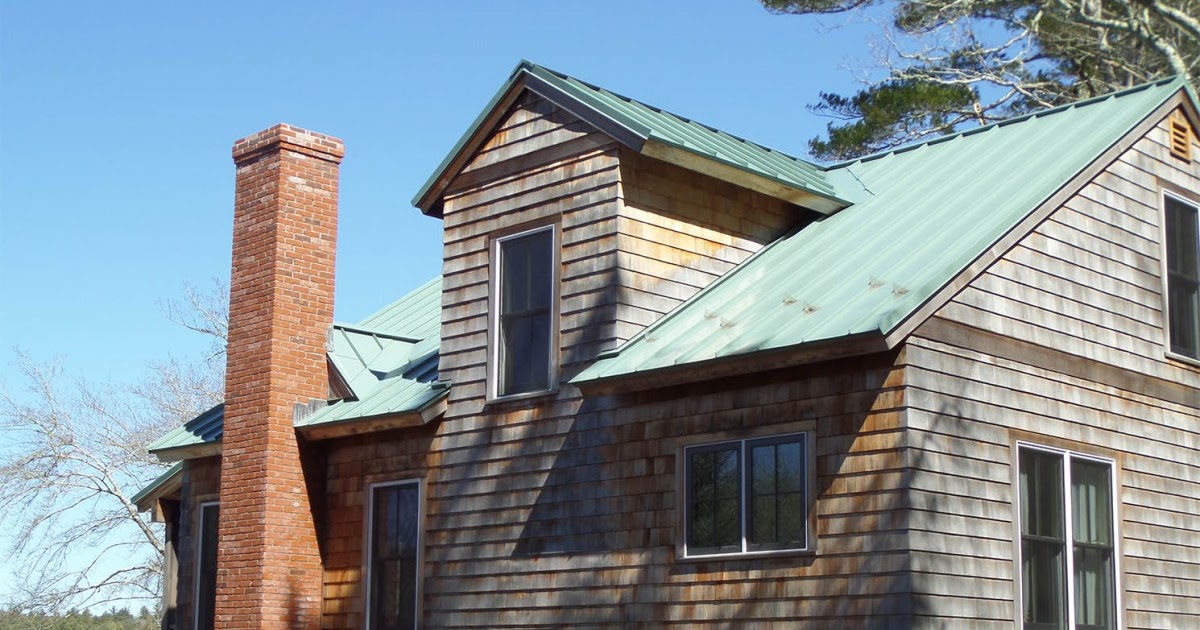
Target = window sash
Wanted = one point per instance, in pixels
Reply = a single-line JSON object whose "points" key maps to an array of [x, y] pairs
{"points": [[1067, 581], [740, 499], [1182, 237], [393, 562], [523, 301]]}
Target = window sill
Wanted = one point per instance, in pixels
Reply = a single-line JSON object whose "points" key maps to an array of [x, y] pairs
{"points": [[516, 399], [749, 555], [1183, 358]]}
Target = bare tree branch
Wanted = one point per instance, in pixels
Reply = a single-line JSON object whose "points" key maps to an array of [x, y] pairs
{"points": [[73, 456]]}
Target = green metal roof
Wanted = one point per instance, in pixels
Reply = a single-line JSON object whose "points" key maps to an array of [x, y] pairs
{"points": [[924, 213], [153, 487], [417, 315], [389, 360], [635, 123], [205, 428]]}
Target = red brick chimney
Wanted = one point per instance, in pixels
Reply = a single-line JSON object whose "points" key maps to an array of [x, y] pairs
{"points": [[280, 307]]}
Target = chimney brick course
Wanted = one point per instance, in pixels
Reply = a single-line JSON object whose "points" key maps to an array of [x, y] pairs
{"points": [[281, 305]]}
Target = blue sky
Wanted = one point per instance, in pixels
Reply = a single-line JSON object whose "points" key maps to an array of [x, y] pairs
{"points": [[117, 119]]}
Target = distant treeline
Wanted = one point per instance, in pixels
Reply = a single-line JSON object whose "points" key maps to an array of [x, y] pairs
{"points": [[115, 619]]}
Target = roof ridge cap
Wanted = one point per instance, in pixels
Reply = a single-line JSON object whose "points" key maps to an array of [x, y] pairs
{"points": [[1049, 111], [530, 66]]}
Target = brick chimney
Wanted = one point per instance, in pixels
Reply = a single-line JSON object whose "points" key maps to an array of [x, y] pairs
{"points": [[280, 307]]}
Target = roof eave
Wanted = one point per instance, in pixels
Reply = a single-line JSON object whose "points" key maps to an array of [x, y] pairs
{"points": [[370, 424], [191, 451], [428, 199], [165, 484], [850, 345], [725, 172], [542, 82], [1183, 96]]}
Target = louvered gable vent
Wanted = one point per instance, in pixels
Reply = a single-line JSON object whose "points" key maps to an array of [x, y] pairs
{"points": [[1181, 136]]}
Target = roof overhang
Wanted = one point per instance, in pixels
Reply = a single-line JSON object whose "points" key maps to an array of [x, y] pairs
{"points": [[166, 486], [725, 172], [633, 136], [734, 365], [1184, 98], [191, 451], [372, 424]]}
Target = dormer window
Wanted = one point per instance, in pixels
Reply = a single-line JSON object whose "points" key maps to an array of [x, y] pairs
{"points": [[522, 357]]}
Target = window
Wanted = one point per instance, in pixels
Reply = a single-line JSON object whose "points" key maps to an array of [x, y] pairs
{"points": [[1068, 565], [206, 565], [522, 354], [393, 564], [747, 496], [1183, 277]]}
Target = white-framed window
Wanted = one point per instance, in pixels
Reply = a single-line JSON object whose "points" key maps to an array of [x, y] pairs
{"points": [[1182, 268], [393, 550], [747, 496], [1067, 527], [523, 356], [205, 592]]}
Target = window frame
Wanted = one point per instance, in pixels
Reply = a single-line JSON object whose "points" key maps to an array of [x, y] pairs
{"points": [[743, 446], [494, 367], [201, 506], [1067, 456], [368, 547], [1165, 270]]}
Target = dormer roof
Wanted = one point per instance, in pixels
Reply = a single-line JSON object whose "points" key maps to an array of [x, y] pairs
{"points": [[648, 130]]}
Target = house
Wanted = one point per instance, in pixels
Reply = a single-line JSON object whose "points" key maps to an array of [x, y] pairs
{"points": [[669, 376]]}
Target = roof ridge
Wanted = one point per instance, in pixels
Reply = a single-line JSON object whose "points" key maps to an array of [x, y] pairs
{"points": [[378, 332], [530, 66], [1050, 111]]}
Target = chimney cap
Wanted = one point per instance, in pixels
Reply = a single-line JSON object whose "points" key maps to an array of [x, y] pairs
{"points": [[311, 143]]}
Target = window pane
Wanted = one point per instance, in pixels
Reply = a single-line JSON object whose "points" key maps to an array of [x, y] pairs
{"points": [[1183, 264], [1184, 314], [714, 519], [791, 467], [1041, 494], [394, 571], [1091, 502], [1091, 511], [1043, 544], [206, 584], [762, 520], [762, 465], [793, 520], [778, 514], [1093, 588], [1183, 237], [526, 289], [525, 352], [1042, 583]]}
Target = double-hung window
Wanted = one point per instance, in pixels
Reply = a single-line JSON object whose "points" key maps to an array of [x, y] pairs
{"points": [[393, 549], [747, 496], [1068, 563], [522, 356], [1183, 276], [206, 565]]}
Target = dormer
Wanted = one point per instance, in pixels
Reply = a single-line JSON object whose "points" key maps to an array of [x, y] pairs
{"points": [[575, 217]]}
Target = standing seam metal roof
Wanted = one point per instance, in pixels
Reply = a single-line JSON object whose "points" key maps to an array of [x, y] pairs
{"points": [[926, 212], [647, 122], [389, 360]]}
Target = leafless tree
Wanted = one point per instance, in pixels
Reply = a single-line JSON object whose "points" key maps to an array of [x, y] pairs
{"points": [[73, 454]]}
